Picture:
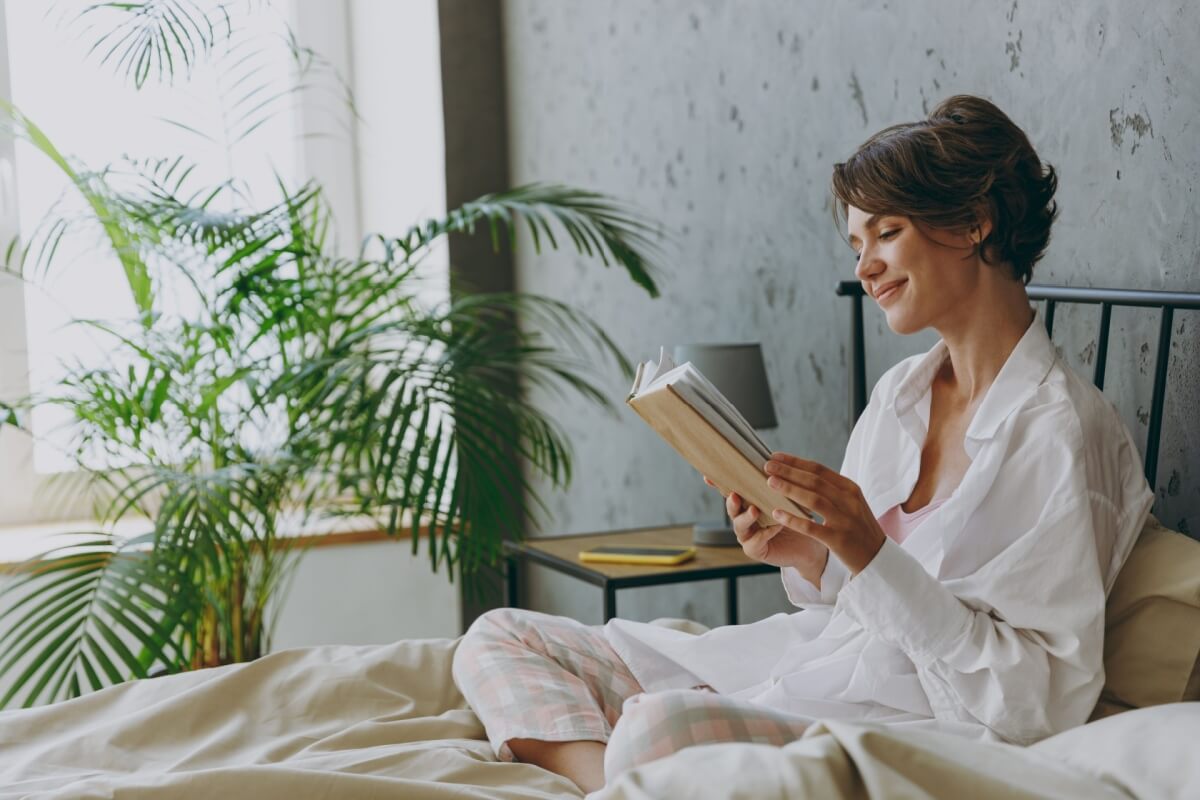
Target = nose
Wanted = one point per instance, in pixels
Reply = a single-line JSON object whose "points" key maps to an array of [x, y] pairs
{"points": [[868, 265]]}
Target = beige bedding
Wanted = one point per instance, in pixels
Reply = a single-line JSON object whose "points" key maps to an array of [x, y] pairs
{"points": [[387, 721], [329, 722]]}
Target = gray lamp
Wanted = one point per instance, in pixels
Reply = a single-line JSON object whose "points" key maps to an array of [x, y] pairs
{"points": [[738, 371]]}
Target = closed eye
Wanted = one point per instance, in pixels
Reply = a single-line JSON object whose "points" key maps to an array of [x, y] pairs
{"points": [[885, 235]]}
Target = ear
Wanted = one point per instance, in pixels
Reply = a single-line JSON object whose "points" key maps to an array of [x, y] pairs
{"points": [[983, 226]]}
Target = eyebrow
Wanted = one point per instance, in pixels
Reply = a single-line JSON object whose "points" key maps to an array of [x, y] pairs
{"points": [[872, 221]]}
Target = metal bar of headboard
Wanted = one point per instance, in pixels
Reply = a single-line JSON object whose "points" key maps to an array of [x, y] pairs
{"points": [[1102, 345], [1107, 298], [1160, 390]]}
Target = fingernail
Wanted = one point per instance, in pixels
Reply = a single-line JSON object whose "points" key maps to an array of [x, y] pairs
{"points": [[774, 483], [779, 515]]}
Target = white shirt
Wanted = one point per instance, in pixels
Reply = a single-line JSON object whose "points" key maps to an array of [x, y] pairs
{"points": [[989, 619]]}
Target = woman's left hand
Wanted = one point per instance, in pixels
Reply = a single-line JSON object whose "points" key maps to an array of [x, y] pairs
{"points": [[849, 530]]}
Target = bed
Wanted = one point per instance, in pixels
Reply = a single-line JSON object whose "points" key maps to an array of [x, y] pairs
{"points": [[387, 720]]}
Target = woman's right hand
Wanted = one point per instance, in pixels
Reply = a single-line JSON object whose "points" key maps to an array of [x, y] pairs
{"points": [[776, 545]]}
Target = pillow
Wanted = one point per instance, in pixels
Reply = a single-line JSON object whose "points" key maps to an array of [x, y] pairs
{"points": [[1152, 630], [1148, 752]]}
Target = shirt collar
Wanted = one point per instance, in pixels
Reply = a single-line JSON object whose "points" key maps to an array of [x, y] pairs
{"points": [[1025, 369]]}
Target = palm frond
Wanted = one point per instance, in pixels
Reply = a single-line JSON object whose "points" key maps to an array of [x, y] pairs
{"points": [[100, 198], [597, 226], [75, 613], [155, 37]]}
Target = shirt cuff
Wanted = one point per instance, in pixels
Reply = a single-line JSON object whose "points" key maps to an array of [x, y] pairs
{"points": [[801, 593], [895, 599]]}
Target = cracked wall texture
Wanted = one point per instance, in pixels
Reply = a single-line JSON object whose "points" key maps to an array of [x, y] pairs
{"points": [[722, 120]]}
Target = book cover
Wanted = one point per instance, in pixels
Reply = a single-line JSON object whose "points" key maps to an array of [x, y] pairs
{"points": [[699, 423]]}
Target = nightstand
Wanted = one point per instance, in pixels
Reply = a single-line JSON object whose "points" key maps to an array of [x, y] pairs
{"points": [[561, 553]]}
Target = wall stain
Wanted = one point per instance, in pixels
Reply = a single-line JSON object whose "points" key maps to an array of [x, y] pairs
{"points": [[1118, 125], [1173, 484], [857, 93], [816, 369], [1013, 48], [1088, 353], [816, 84]]}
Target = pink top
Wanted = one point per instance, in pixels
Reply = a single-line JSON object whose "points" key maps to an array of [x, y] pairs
{"points": [[898, 523]]}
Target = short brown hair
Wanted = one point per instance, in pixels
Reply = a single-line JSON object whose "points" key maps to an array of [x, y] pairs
{"points": [[967, 157]]}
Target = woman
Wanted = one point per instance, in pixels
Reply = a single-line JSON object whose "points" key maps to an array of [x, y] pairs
{"points": [[957, 578]]}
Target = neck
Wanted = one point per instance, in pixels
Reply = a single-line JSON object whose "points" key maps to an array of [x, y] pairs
{"points": [[980, 335]]}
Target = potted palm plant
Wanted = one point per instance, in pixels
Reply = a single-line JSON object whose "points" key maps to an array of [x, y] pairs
{"points": [[301, 384]]}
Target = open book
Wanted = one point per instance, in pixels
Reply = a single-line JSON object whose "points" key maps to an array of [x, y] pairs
{"points": [[692, 416]]}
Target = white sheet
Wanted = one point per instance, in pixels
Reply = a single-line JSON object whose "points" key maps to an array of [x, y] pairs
{"points": [[1145, 754], [387, 721]]}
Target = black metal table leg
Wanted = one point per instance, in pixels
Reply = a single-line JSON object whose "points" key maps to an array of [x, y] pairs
{"points": [[510, 575], [731, 601], [610, 601]]}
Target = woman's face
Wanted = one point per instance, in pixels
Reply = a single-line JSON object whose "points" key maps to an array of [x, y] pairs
{"points": [[914, 279]]}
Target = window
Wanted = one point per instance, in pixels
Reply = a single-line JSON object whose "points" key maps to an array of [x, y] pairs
{"points": [[93, 114]]}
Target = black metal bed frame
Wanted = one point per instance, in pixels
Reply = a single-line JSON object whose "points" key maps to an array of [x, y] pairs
{"points": [[1167, 302]]}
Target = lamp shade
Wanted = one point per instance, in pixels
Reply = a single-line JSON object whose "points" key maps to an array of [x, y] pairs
{"points": [[738, 371]]}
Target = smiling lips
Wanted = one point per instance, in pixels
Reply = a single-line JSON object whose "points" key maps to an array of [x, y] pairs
{"points": [[889, 291]]}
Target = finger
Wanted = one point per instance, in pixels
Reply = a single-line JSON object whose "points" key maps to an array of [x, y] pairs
{"points": [[823, 472], [706, 480], [809, 480], [817, 502], [745, 517], [806, 527], [733, 504], [750, 530]]}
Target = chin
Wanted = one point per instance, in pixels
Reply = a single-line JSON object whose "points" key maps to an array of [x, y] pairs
{"points": [[903, 324]]}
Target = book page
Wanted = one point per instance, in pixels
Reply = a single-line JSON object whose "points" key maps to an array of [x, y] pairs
{"points": [[726, 419], [648, 372], [707, 399]]}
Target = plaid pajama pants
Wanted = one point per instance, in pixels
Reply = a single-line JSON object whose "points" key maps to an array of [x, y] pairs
{"points": [[529, 675]]}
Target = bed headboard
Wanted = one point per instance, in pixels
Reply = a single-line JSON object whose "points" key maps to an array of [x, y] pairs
{"points": [[1166, 302]]}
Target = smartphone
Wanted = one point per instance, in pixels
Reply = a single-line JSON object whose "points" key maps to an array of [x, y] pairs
{"points": [[614, 554]]}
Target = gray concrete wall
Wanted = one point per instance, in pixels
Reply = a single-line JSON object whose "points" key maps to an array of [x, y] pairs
{"points": [[722, 120]]}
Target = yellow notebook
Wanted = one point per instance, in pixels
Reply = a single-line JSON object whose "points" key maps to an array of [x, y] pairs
{"points": [[649, 554], [692, 416]]}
